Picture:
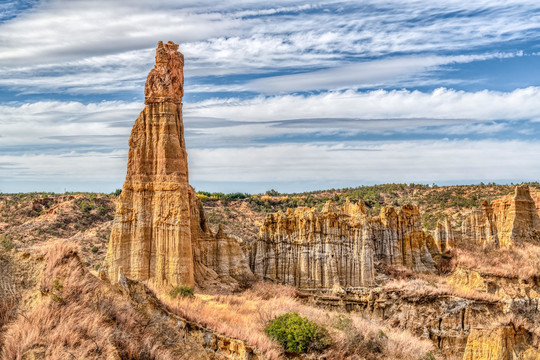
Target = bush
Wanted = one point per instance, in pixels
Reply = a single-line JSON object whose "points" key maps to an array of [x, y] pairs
{"points": [[183, 291], [102, 210], [6, 242], [428, 356], [56, 294], [85, 206], [297, 334]]}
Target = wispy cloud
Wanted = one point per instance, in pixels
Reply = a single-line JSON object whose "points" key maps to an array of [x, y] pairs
{"points": [[438, 105], [406, 161], [105, 52], [251, 68], [369, 74]]}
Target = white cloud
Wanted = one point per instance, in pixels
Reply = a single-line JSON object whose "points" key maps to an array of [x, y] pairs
{"points": [[234, 122], [369, 74], [65, 167], [105, 46], [65, 124], [412, 108], [371, 162]]}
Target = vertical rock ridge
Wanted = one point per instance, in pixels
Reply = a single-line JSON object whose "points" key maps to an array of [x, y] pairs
{"points": [[151, 234]]}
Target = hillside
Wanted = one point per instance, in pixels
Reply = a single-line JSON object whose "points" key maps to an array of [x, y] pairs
{"points": [[30, 223], [28, 220]]}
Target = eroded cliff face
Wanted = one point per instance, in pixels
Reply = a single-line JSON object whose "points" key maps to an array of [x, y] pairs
{"points": [[219, 260], [339, 245], [502, 343], [506, 221], [159, 233]]}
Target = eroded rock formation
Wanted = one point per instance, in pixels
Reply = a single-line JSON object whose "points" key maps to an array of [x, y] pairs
{"points": [[159, 233], [505, 342], [508, 220], [444, 235], [340, 245]]}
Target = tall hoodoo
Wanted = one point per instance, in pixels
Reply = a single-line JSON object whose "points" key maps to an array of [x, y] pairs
{"points": [[151, 235], [506, 221]]}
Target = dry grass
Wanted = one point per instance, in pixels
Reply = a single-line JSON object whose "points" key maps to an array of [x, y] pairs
{"points": [[77, 316], [521, 261], [245, 316], [432, 285]]}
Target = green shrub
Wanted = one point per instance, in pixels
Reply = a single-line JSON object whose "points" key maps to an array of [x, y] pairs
{"points": [[6, 242], [56, 294], [183, 291], [117, 192], [428, 356], [94, 249], [297, 334], [102, 210], [85, 206]]}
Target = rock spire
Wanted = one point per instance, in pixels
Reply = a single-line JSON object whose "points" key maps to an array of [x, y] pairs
{"points": [[151, 234], [160, 233]]}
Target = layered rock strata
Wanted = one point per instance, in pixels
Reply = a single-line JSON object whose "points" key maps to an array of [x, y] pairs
{"points": [[340, 245], [454, 324], [159, 224], [505, 342], [508, 220]]}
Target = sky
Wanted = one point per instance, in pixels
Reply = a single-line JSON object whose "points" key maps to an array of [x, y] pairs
{"points": [[286, 95]]}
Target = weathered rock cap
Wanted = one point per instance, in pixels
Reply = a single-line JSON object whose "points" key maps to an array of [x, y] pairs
{"points": [[165, 82]]}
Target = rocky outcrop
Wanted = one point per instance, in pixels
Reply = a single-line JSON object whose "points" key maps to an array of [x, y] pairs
{"points": [[339, 245], [151, 235], [509, 288], [444, 319], [219, 260], [503, 343], [444, 236], [517, 218], [508, 220], [159, 233], [480, 226]]}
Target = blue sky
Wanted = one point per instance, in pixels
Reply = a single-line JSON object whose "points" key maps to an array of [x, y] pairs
{"points": [[290, 95]]}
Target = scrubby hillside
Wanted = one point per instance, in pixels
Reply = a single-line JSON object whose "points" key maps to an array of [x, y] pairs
{"points": [[32, 220], [58, 310], [28, 220], [54, 305], [53, 308]]}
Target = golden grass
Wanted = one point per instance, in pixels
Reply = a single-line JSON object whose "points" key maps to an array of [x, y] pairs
{"points": [[520, 261], [432, 285], [245, 315], [77, 316]]}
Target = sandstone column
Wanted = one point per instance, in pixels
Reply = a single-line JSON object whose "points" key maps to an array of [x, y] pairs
{"points": [[151, 236]]}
